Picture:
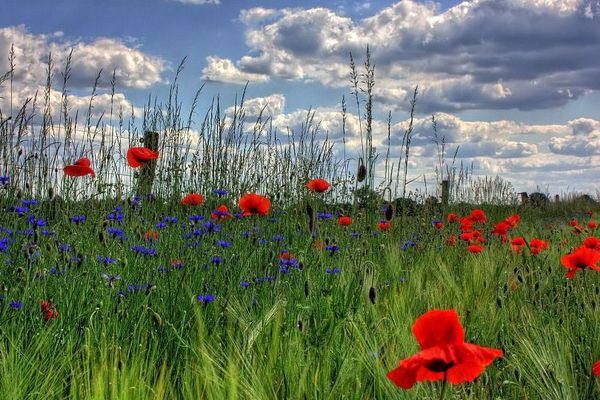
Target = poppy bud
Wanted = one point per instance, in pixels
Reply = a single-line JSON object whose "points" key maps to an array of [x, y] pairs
{"points": [[498, 302], [372, 295], [306, 289], [361, 174], [300, 325], [389, 212]]}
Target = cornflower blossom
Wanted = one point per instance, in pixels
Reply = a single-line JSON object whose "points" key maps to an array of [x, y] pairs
{"points": [[78, 219], [220, 192], [106, 260], [205, 298], [333, 271]]}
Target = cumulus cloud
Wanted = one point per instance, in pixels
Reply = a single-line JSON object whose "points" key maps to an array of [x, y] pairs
{"points": [[272, 105], [223, 70], [479, 54]]}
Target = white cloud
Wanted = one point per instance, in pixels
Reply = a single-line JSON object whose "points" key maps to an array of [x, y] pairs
{"points": [[462, 58], [223, 70], [272, 105]]}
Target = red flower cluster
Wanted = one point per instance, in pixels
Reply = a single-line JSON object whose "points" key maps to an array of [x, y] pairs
{"points": [[139, 156], [318, 185], [48, 310], [581, 258], [252, 204], [384, 225], [193, 199], [344, 221], [444, 353], [81, 167], [221, 213]]}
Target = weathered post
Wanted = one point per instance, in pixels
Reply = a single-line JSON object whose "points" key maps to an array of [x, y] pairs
{"points": [[148, 170], [445, 194], [524, 198]]}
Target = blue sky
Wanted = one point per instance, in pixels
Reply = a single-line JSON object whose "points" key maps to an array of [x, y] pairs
{"points": [[514, 83]]}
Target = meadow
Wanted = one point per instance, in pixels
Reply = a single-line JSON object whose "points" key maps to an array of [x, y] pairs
{"points": [[122, 286]]}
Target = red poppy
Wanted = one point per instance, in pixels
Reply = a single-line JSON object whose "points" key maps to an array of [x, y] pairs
{"points": [[253, 203], [475, 248], [81, 167], [452, 217], [318, 185], [573, 222], [478, 216], [138, 156], [193, 199], [517, 244], [48, 310], [537, 245], [582, 257], [501, 229], [466, 224], [444, 353], [596, 368], [150, 236], [384, 225], [513, 220], [592, 224], [451, 241], [344, 221], [221, 213], [438, 225], [592, 243], [467, 237]]}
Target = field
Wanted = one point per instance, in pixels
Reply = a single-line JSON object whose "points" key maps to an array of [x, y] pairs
{"points": [[115, 285]]}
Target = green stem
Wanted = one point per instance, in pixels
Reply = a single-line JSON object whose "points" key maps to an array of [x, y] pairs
{"points": [[444, 385]]}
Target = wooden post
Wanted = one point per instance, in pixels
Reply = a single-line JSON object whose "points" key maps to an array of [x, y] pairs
{"points": [[445, 194], [147, 171], [524, 198]]}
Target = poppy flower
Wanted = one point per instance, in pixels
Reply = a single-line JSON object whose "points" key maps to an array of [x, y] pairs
{"points": [[592, 225], [592, 243], [517, 244], [451, 241], [582, 257], [444, 353], [437, 224], [48, 310], [596, 368], [478, 216], [253, 203], [537, 245], [452, 217], [318, 185], [81, 167], [138, 156], [513, 220], [475, 248], [344, 221], [193, 199], [501, 229], [150, 236], [466, 224], [220, 213], [573, 222], [384, 225]]}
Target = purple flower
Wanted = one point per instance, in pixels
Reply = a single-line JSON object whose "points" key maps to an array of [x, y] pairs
{"points": [[205, 298], [16, 305]]}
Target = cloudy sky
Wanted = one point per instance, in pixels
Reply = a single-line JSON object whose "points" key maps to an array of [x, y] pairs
{"points": [[514, 84]]}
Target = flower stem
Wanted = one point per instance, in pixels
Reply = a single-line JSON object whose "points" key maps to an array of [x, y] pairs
{"points": [[444, 385]]}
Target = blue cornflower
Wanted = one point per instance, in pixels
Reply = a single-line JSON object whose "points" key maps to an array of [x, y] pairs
{"points": [[223, 243], [220, 192], [335, 270], [115, 233], [238, 215], [272, 220], [402, 280], [196, 217], [332, 248], [30, 203], [26, 232], [435, 222], [170, 220], [324, 215], [216, 260], [16, 305], [262, 242], [146, 251], [20, 210], [4, 245], [211, 227], [106, 260], [407, 244], [244, 284], [160, 225], [116, 215], [205, 298], [4, 180], [77, 219], [278, 238], [46, 232], [65, 248], [36, 222], [163, 269]]}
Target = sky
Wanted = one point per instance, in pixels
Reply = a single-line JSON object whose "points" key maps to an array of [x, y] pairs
{"points": [[513, 84]]}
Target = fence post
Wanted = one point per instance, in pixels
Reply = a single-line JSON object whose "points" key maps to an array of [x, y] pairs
{"points": [[445, 194], [524, 198], [148, 170]]}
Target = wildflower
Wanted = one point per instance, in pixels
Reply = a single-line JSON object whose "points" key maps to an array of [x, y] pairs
{"points": [[253, 203], [194, 218], [537, 245], [20, 210], [4, 180], [324, 216], [596, 368], [332, 249], [106, 260], [36, 222], [437, 224], [592, 225], [475, 248], [513, 220], [220, 192], [220, 213], [517, 244], [501, 229], [81, 167], [193, 199], [177, 264], [115, 233], [344, 221], [451, 241], [116, 215], [478, 216], [216, 260], [205, 298], [145, 251], [444, 354], [150, 236], [4, 244], [318, 185], [384, 225], [573, 222], [244, 284], [333, 271], [139, 156], [48, 310], [582, 257], [452, 217], [407, 244], [30, 202], [592, 243], [78, 219], [278, 238], [15, 305], [223, 243], [160, 225]]}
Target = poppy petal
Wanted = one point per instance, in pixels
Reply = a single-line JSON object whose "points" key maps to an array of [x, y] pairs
{"points": [[438, 327], [596, 368], [84, 162], [77, 170]]}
